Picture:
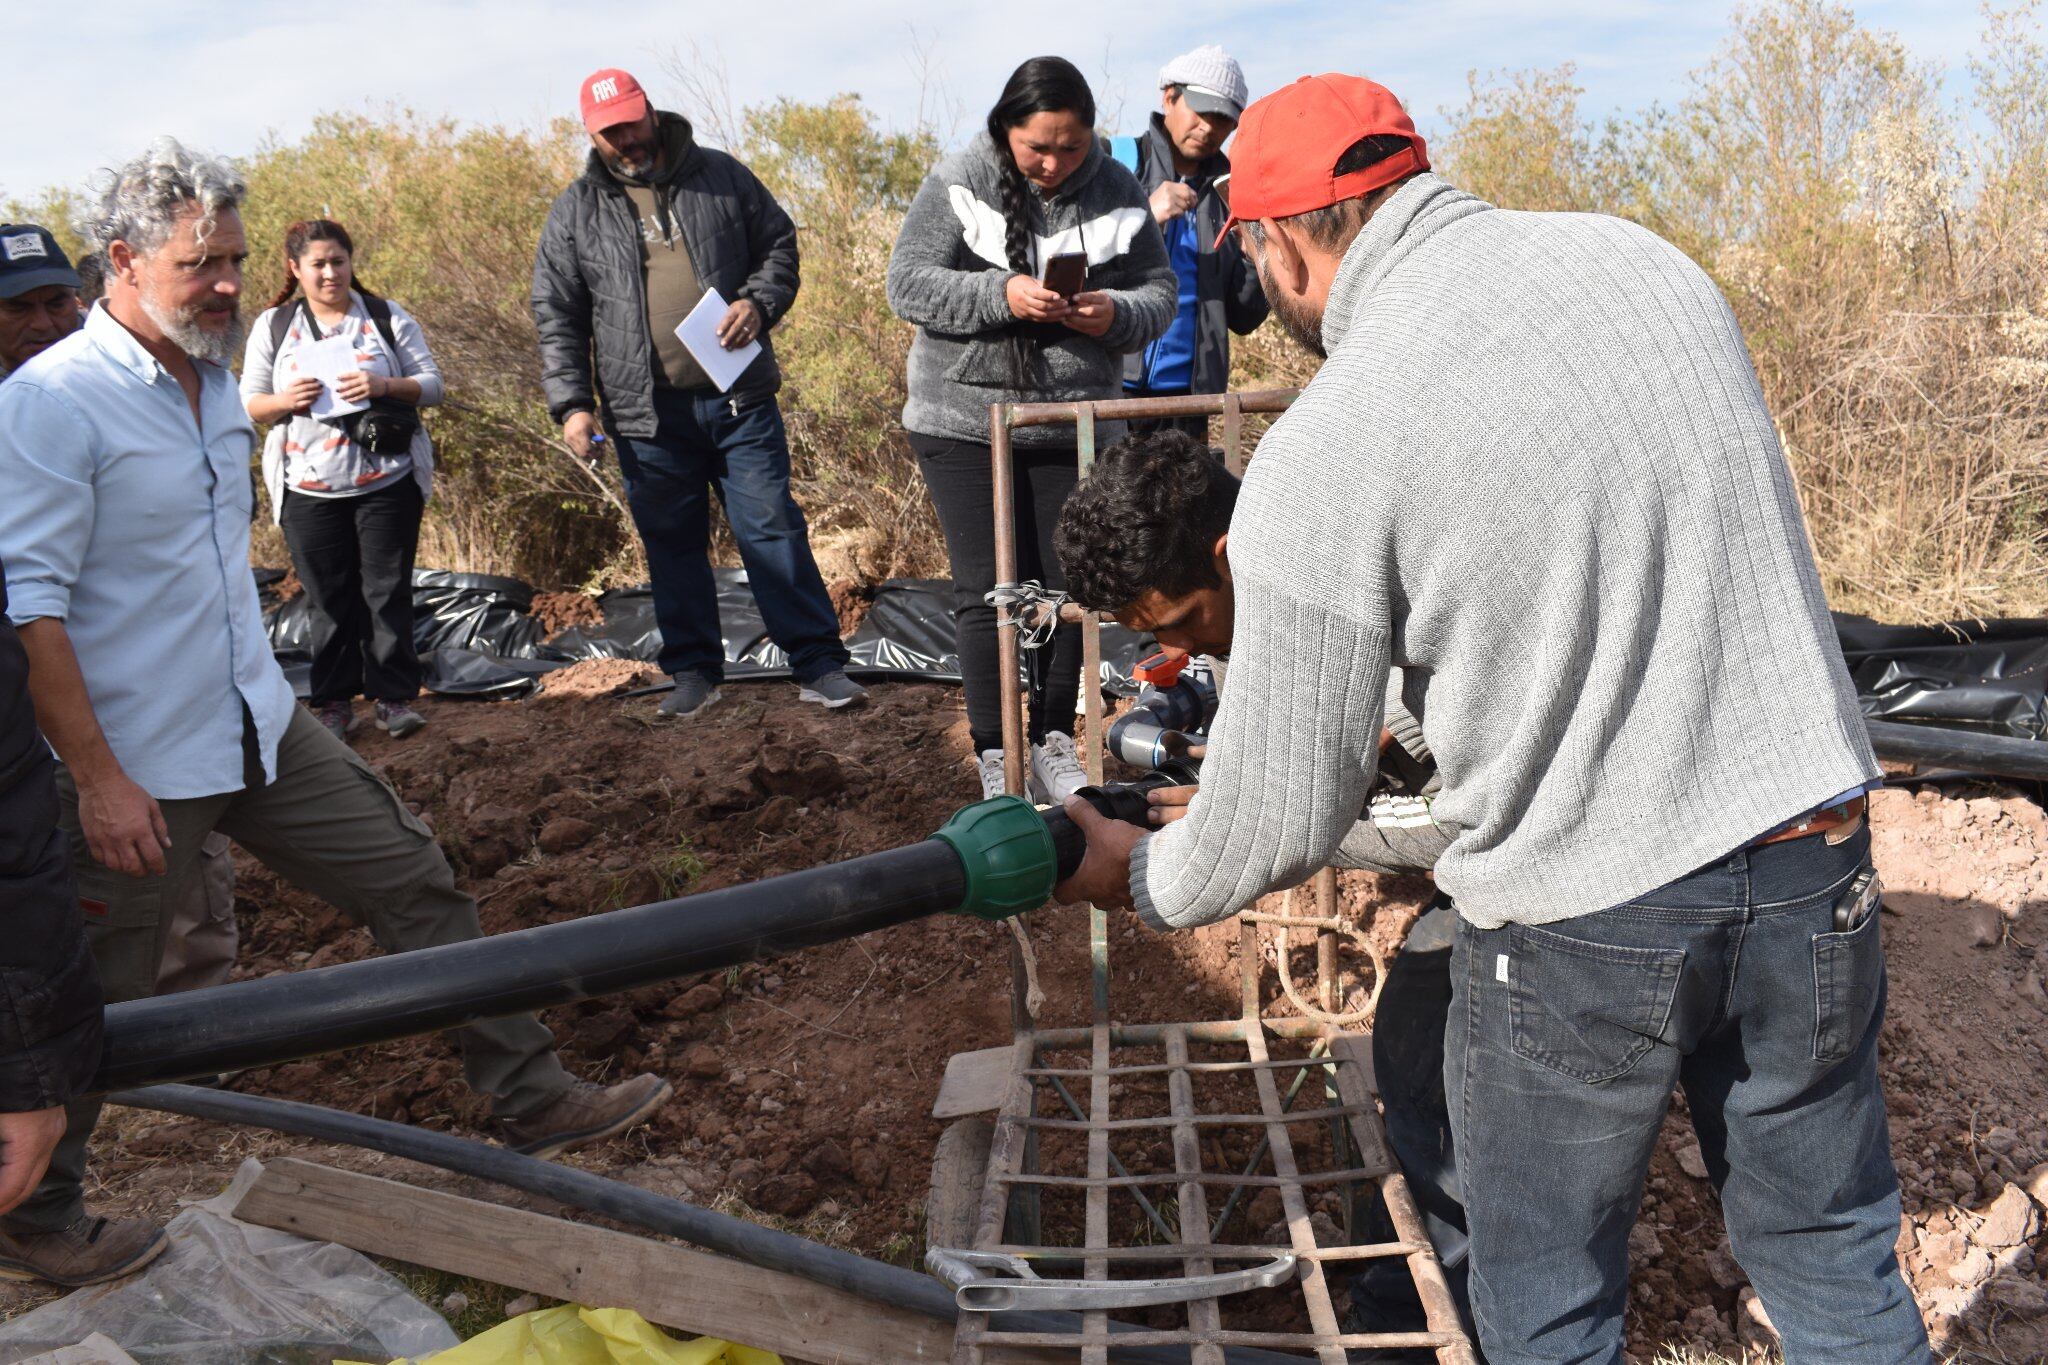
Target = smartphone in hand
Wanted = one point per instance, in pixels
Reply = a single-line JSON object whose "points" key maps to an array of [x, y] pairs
{"points": [[1066, 274]]}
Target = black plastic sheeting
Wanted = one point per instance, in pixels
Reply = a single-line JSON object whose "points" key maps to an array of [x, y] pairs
{"points": [[1988, 676], [476, 639]]}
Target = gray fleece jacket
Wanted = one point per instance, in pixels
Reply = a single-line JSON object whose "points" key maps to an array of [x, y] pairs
{"points": [[1538, 475], [947, 277]]}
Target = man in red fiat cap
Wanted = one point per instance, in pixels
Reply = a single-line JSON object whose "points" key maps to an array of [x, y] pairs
{"points": [[653, 226], [1613, 635]]}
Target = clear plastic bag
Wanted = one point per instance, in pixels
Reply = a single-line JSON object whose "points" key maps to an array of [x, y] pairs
{"points": [[229, 1293]]}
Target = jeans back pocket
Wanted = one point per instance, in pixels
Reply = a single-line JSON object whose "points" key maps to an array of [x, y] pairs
{"points": [[1587, 1010], [1848, 973]]}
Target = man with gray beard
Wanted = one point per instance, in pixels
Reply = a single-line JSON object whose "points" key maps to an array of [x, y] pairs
{"points": [[125, 505]]}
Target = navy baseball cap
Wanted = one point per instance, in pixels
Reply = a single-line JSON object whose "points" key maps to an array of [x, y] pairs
{"points": [[29, 259]]}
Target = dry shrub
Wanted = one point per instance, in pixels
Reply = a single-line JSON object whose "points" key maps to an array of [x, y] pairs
{"points": [[1899, 324], [1881, 253]]}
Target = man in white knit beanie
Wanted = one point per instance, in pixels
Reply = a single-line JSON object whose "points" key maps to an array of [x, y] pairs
{"points": [[1180, 165], [1537, 474]]}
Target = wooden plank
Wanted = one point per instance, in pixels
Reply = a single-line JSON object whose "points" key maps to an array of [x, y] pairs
{"points": [[975, 1083], [675, 1286], [94, 1350]]}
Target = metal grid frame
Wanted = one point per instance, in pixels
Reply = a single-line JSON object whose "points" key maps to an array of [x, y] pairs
{"points": [[1342, 1062]]}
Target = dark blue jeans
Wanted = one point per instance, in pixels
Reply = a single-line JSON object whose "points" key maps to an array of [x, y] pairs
{"points": [[701, 443], [1563, 1045]]}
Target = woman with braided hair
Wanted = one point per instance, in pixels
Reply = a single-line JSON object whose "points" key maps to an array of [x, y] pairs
{"points": [[1037, 183]]}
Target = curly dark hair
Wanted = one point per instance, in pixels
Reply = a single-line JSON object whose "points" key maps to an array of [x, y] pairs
{"points": [[1146, 519]]}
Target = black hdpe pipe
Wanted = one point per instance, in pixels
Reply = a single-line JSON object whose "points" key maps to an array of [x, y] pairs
{"points": [[735, 1237], [1940, 746], [994, 859]]}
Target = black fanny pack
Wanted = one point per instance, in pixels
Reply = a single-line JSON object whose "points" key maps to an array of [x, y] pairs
{"points": [[387, 426]]}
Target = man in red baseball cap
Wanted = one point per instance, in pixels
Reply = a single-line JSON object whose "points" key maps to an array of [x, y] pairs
{"points": [[653, 226], [1536, 474]]}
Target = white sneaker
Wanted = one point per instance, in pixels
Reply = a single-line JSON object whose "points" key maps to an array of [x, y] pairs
{"points": [[1056, 771], [990, 766]]}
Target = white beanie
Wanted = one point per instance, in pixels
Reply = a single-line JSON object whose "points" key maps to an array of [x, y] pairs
{"points": [[1210, 71]]}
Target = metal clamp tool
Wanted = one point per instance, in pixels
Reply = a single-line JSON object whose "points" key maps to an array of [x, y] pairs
{"points": [[1019, 1287]]}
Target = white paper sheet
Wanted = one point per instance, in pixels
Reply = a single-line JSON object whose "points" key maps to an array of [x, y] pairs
{"points": [[327, 360], [699, 334]]}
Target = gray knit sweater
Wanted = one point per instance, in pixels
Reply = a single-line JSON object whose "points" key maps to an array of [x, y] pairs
{"points": [[947, 276], [1537, 473]]}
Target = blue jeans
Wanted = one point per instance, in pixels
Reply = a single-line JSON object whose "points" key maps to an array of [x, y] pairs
{"points": [[1563, 1045], [701, 443]]}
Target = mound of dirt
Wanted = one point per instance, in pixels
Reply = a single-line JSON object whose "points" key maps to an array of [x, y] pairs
{"points": [[804, 1084], [558, 611], [595, 678]]}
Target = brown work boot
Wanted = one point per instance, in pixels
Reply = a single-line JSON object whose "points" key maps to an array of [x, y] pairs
{"points": [[585, 1113], [89, 1251]]}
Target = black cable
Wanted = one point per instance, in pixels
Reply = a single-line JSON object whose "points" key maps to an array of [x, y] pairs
{"points": [[735, 1237]]}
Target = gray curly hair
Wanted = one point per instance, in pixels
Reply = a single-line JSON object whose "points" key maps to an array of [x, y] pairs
{"points": [[138, 203]]}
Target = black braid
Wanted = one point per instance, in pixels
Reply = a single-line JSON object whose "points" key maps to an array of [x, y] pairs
{"points": [[1041, 85]]}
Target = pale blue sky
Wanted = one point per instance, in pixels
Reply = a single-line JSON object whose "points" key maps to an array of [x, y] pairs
{"points": [[92, 84]]}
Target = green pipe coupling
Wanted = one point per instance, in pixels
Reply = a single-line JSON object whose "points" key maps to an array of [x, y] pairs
{"points": [[1007, 853]]}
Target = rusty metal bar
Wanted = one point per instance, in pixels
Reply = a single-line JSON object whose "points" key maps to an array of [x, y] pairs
{"points": [[1322, 1314], [1204, 1316], [1219, 1251], [1269, 1182], [1208, 1031], [1384, 1340], [1326, 941], [1233, 429], [1340, 1111], [1095, 1325], [1002, 476], [1122, 409]]}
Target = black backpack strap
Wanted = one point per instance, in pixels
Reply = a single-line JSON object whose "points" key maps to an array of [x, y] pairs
{"points": [[281, 322], [380, 313]]}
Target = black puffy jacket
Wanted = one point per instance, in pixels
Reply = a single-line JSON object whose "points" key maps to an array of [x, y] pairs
{"points": [[50, 1002], [588, 286]]}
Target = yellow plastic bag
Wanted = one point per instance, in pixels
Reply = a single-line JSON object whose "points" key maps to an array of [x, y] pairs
{"points": [[570, 1335]]}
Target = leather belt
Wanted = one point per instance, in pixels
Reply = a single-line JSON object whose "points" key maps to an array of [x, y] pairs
{"points": [[1839, 821]]}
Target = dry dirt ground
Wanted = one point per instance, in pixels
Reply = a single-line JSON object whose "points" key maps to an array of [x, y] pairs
{"points": [[804, 1084]]}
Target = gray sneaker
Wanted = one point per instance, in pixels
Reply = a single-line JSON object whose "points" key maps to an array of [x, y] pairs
{"points": [[398, 719], [833, 691], [338, 716], [693, 693]]}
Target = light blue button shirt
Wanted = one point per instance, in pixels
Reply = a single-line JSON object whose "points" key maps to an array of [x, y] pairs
{"points": [[129, 523]]}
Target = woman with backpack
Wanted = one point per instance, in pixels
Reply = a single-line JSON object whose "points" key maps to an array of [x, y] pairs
{"points": [[347, 487], [1033, 186]]}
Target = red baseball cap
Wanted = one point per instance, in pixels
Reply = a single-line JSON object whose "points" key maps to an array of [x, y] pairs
{"points": [[1288, 145], [612, 97]]}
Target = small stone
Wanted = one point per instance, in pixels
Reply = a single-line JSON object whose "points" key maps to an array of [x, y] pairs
{"points": [[1703, 1324], [870, 1169], [1954, 814], [1973, 1269], [1643, 1244], [455, 1305], [768, 1104], [775, 817], [1943, 1249], [828, 1209], [2001, 1139], [2035, 1183], [828, 1161], [1984, 925], [703, 1062], [2011, 1220], [2025, 1298], [1692, 1162], [1722, 1266], [771, 984], [699, 999], [565, 833], [746, 1174], [521, 1306], [790, 1194]]}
